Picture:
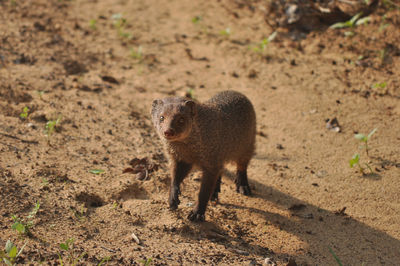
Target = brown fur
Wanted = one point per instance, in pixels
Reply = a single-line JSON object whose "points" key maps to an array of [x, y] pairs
{"points": [[206, 135]]}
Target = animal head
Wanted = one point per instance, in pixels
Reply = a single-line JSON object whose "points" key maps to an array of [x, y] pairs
{"points": [[173, 117]]}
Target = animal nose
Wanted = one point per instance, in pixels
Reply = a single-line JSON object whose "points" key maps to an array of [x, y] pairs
{"points": [[169, 132]]}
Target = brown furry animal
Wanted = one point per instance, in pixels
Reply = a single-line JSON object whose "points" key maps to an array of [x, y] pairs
{"points": [[206, 135]]}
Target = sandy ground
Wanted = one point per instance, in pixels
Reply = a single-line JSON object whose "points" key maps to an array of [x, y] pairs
{"points": [[98, 65]]}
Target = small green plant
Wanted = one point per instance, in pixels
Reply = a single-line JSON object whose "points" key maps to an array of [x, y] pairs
{"points": [[96, 171], [104, 260], [93, 24], [72, 258], [67, 244], [119, 23], [40, 93], [351, 23], [389, 4], [379, 87], [146, 262], [226, 32], [51, 126], [383, 55], [45, 182], [10, 253], [260, 47], [23, 226], [364, 138], [339, 262], [196, 19], [114, 205], [383, 24], [355, 160], [137, 54], [190, 93], [24, 113]]}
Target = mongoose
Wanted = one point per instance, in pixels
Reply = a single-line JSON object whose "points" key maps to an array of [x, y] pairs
{"points": [[206, 135]]}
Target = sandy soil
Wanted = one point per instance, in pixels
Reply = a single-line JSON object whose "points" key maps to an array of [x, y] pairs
{"points": [[99, 72]]}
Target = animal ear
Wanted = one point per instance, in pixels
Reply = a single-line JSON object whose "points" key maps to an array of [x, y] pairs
{"points": [[191, 105], [155, 105]]}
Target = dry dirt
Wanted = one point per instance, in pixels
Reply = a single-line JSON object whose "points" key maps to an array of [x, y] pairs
{"points": [[70, 60]]}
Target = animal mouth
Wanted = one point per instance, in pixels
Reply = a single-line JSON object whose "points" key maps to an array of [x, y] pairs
{"points": [[175, 137], [171, 137]]}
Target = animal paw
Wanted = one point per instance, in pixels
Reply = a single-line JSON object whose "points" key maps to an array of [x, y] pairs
{"points": [[196, 217], [174, 202], [245, 190], [173, 205], [174, 198]]}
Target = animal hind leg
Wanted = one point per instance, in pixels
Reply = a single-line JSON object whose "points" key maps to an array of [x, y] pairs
{"points": [[242, 184], [208, 181]]}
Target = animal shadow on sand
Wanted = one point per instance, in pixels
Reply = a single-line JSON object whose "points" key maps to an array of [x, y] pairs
{"points": [[352, 240]]}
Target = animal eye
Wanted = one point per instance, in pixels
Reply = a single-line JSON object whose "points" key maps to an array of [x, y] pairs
{"points": [[181, 120], [161, 118]]}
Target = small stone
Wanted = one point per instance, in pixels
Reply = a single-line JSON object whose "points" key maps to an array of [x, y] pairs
{"points": [[333, 125], [321, 173], [269, 261], [135, 238], [279, 146], [142, 175], [242, 252]]}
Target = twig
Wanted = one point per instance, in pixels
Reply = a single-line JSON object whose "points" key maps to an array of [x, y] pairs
{"points": [[347, 2], [111, 250], [393, 3], [11, 146], [22, 140]]}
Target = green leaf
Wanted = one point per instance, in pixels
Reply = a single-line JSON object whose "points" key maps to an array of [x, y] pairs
{"points": [[96, 171], [371, 133], [61, 260], [24, 113], [64, 246], [379, 85], [347, 24], [355, 18], [339, 25], [33, 212], [363, 20], [19, 227], [105, 259], [361, 137], [349, 33], [196, 19], [9, 245], [136, 54], [13, 252], [354, 160], [225, 32], [92, 24], [336, 257], [7, 261]]}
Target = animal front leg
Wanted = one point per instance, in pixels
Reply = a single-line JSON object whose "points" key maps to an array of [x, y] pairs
{"points": [[179, 171]]}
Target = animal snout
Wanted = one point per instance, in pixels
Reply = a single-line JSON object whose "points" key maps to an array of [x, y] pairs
{"points": [[169, 133]]}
